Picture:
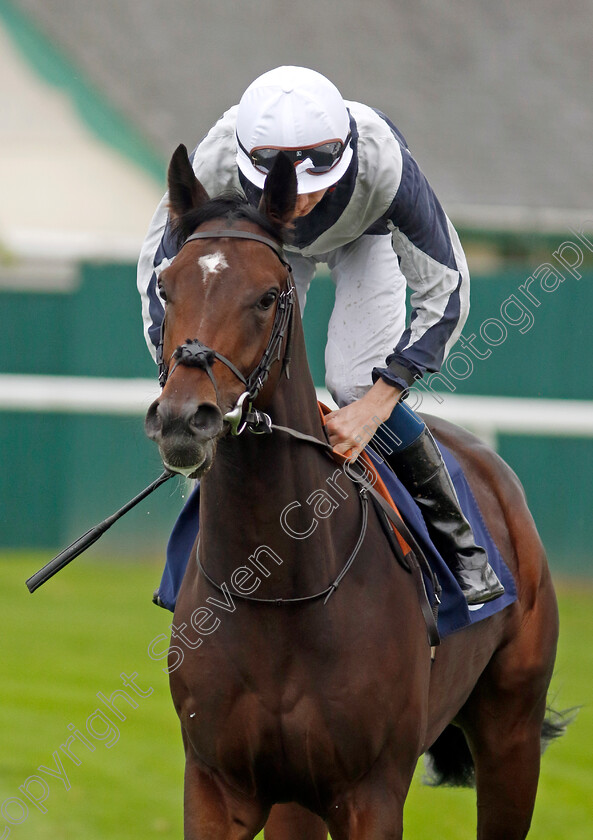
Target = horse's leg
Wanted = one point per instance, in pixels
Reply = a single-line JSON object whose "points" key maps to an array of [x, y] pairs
{"points": [[374, 808], [368, 820], [503, 721], [291, 822], [507, 772], [212, 812]]}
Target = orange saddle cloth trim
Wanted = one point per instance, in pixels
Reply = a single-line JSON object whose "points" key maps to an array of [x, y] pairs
{"points": [[374, 479]]}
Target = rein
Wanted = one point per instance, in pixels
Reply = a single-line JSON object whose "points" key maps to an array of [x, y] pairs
{"points": [[327, 592], [243, 416], [414, 561]]}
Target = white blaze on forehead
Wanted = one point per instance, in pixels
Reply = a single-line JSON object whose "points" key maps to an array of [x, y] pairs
{"points": [[212, 264]]}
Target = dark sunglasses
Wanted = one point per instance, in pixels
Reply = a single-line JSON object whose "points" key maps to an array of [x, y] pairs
{"points": [[323, 157]]}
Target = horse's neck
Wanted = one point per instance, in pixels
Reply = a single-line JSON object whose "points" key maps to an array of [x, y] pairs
{"points": [[278, 493]]}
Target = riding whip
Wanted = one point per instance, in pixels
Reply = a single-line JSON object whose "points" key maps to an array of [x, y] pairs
{"points": [[83, 542]]}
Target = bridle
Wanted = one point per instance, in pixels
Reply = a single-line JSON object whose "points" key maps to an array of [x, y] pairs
{"points": [[196, 354]]}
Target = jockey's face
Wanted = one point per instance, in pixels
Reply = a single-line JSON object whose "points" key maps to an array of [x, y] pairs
{"points": [[306, 202]]}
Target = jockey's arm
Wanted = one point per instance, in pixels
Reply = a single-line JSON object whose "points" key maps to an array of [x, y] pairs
{"points": [[350, 428], [433, 263]]}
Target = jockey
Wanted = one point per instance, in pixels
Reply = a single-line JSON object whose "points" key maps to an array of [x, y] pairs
{"points": [[365, 209]]}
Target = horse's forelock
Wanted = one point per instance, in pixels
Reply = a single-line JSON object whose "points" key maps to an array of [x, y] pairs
{"points": [[229, 208]]}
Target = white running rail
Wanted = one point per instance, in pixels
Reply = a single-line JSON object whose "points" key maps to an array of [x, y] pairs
{"points": [[486, 416]]}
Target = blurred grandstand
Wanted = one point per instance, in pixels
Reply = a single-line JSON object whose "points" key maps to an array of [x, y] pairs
{"points": [[495, 102]]}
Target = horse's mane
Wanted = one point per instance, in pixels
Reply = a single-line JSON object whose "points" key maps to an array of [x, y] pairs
{"points": [[229, 207]]}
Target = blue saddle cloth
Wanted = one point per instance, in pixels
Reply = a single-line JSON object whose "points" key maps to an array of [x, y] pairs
{"points": [[454, 613]]}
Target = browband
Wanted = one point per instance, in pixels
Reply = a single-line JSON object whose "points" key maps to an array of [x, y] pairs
{"points": [[239, 234]]}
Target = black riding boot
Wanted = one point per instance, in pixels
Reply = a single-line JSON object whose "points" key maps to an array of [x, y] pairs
{"points": [[422, 471]]}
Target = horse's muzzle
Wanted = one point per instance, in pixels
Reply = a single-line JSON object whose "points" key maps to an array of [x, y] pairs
{"points": [[186, 434]]}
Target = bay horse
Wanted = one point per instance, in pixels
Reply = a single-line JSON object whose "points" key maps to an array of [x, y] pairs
{"points": [[301, 713]]}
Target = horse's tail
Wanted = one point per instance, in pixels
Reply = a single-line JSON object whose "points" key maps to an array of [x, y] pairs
{"points": [[449, 761], [555, 724]]}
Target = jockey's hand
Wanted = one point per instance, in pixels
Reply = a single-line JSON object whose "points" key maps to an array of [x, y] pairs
{"points": [[350, 428]]}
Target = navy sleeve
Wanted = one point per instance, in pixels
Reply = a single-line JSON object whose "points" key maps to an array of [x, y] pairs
{"points": [[433, 263]]}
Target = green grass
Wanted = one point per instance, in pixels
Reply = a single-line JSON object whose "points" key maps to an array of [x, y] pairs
{"points": [[94, 621]]}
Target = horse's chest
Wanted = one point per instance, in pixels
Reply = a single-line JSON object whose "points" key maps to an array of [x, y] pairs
{"points": [[281, 740]]}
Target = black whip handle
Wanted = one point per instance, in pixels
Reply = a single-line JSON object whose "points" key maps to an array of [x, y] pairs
{"points": [[82, 543]]}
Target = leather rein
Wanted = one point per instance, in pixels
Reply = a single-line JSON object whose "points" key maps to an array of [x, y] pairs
{"points": [[244, 416]]}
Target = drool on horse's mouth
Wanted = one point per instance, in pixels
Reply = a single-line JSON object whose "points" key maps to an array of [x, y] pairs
{"points": [[188, 472], [191, 467]]}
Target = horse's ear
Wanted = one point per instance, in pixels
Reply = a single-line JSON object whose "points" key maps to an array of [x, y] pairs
{"points": [[280, 192], [185, 191]]}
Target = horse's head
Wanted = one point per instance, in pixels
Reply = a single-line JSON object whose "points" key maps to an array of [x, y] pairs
{"points": [[228, 296]]}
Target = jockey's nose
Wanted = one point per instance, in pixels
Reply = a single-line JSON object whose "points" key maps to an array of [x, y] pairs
{"points": [[306, 202]]}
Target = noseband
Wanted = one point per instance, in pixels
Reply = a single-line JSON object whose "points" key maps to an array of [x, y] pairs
{"points": [[196, 354]]}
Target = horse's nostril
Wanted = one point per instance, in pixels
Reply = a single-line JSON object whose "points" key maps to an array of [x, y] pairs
{"points": [[207, 421], [152, 421], [166, 421]]}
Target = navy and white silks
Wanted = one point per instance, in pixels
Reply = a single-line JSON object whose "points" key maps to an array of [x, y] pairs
{"points": [[379, 229]]}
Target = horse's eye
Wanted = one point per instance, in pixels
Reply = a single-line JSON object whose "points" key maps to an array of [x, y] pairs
{"points": [[162, 292], [268, 299]]}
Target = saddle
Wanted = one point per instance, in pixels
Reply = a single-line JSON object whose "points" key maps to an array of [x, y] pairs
{"points": [[407, 532]]}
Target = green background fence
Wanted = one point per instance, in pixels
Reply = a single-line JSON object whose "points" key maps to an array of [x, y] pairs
{"points": [[63, 472]]}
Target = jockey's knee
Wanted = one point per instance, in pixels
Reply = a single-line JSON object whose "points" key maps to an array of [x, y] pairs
{"points": [[343, 390], [348, 370]]}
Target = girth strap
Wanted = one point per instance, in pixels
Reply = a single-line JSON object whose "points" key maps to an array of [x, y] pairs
{"points": [[417, 563]]}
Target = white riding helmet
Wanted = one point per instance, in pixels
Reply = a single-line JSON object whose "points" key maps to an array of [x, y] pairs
{"points": [[302, 113]]}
